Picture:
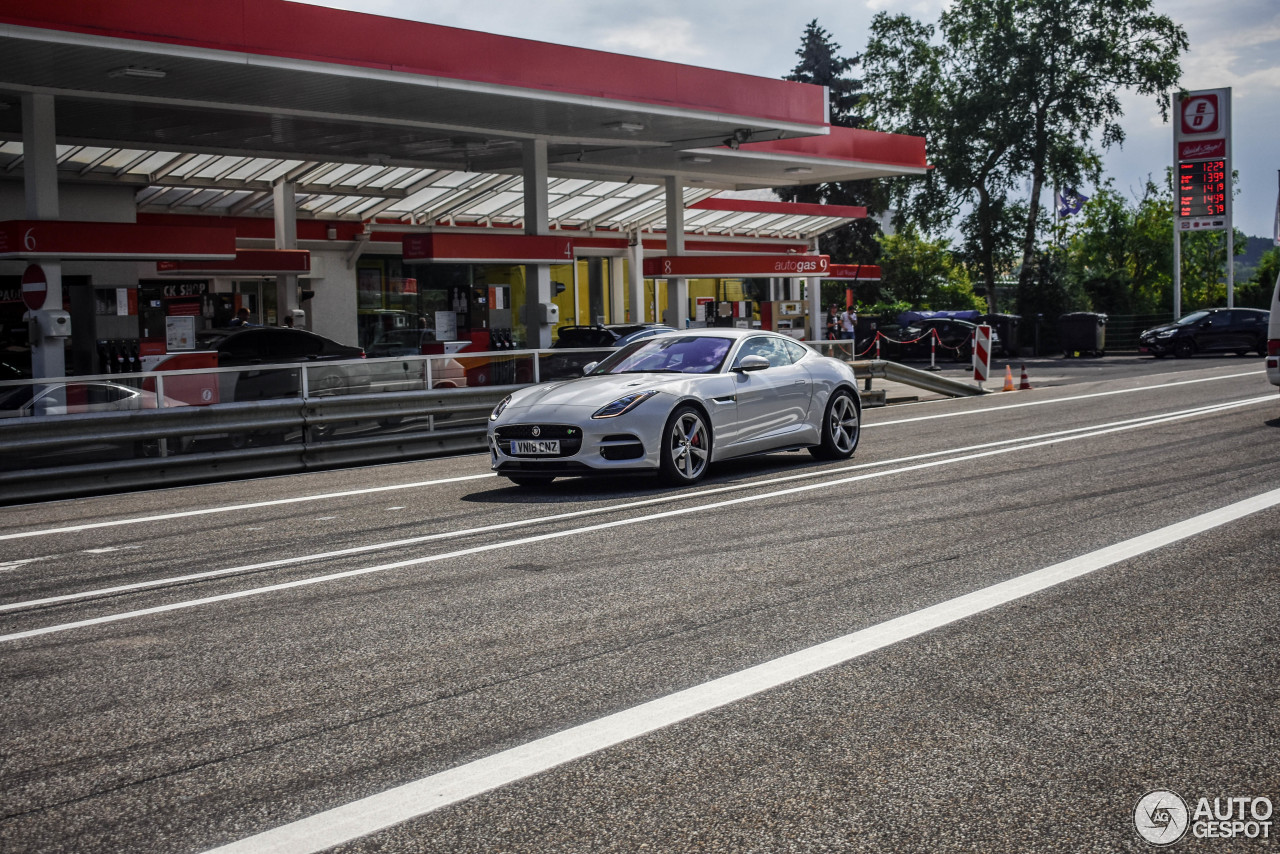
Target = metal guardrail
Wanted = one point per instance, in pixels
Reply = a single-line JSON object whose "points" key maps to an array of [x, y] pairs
{"points": [[899, 373], [69, 455], [45, 457]]}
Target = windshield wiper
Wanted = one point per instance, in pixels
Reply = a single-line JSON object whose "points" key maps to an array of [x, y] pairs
{"points": [[650, 371]]}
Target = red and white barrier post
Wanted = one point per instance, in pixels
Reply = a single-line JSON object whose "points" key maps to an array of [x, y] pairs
{"points": [[933, 350], [982, 355]]}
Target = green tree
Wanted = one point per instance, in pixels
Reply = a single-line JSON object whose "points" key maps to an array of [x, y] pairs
{"points": [[1257, 291], [820, 63], [1204, 268], [1121, 253], [924, 273], [1012, 90]]}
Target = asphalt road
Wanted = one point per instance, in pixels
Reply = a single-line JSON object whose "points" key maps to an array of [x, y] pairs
{"points": [[997, 628]]}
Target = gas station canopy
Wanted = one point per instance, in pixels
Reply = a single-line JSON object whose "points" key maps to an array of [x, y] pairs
{"points": [[204, 105]]}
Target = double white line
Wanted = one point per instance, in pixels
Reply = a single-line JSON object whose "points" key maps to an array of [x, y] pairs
{"points": [[929, 460], [411, 800]]}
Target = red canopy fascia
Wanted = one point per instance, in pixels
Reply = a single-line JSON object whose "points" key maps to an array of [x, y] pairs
{"points": [[782, 208], [247, 262], [313, 33], [122, 241], [736, 266], [854, 272]]}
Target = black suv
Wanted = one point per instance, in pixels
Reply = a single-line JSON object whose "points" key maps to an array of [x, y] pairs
{"points": [[246, 346], [1231, 330]]}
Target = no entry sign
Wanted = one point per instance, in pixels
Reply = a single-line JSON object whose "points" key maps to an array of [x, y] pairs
{"points": [[35, 287]]}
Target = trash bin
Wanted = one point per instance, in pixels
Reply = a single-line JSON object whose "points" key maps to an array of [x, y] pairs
{"points": [[1083, 333], [1006, 326]]}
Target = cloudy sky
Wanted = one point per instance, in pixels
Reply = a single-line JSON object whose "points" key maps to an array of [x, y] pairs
{"points": [[1235, 45]]}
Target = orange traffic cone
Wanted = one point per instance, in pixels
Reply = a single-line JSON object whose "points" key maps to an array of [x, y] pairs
{"points": [[1025, 385], [1008, 378]]}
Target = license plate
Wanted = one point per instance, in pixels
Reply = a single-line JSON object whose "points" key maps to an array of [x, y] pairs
{"points": [[535, 447]]}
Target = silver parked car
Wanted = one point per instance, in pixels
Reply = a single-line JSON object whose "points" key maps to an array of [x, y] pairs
{"points": [[675, 403]]}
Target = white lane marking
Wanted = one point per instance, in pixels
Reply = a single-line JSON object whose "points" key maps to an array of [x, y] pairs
{"points": [[230, 508], [87, 526], [428, 794], [1044, 402], [107, 550], [577, 514], [8, 565], [586, 529]]}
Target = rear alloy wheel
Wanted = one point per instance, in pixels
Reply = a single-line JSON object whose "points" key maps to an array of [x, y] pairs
{"points": [[686, 447], [1184, 348], [841, 428]]}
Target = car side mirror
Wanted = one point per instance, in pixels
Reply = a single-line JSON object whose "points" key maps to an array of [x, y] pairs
{"points": [[751, 363], [589, 367]]}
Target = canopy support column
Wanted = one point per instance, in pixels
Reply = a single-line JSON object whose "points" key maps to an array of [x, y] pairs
{"points": [[40, 178], [536, 205], [677, 313]]}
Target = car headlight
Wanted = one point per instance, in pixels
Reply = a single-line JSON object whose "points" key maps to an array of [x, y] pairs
{"points": [[1167, 334], [623, 404], [497, 410]]}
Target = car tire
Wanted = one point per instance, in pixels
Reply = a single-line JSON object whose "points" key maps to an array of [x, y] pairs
{"points": [[1183, 349], [531, 481], [841, 428], [685, 452]]}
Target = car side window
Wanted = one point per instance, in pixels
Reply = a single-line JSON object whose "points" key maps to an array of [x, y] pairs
{"points": [[796, 350], [767, 346], [295, 344], [245, 345]]}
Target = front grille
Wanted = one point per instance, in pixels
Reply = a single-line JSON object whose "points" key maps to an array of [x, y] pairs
{"points": [[570, 437]]}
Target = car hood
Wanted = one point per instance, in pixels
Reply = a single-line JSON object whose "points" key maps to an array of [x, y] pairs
{"points": [[595, 392]]}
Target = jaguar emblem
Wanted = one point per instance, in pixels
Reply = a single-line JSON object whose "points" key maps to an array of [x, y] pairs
{"points": [[537, 431]]}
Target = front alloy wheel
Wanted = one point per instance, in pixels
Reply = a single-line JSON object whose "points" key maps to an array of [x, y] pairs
{"points": [[841, 428], [686, 447]]}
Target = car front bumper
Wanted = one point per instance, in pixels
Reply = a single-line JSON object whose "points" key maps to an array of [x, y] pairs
{"points": [[587, 447]]}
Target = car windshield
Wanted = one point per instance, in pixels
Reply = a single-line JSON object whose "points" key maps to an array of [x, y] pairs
{"points": [[682, 354], [1194, 317]]}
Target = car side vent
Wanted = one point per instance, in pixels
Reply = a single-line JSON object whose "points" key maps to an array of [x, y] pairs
{"points": [[621, 447]]}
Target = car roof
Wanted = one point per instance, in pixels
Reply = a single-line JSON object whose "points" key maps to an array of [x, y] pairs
{"points": [[725, 332]]}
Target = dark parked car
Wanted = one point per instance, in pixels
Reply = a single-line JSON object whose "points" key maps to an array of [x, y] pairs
{"points": [[401, 342], [1230, 330], [613, 335], [955, 339], [564, 365], [271, 345]]}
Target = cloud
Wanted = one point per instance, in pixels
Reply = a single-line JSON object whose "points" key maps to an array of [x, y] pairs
{"points": [[674, 39]]}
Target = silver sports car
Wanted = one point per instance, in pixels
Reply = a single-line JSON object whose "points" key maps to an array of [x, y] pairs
{"points": [[674, 404]]}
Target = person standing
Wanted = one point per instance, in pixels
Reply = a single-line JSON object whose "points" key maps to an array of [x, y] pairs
{"points": [[849, 323], [833, 322]]}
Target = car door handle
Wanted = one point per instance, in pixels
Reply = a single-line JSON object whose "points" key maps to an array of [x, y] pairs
{"points": [[802, 382]]}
